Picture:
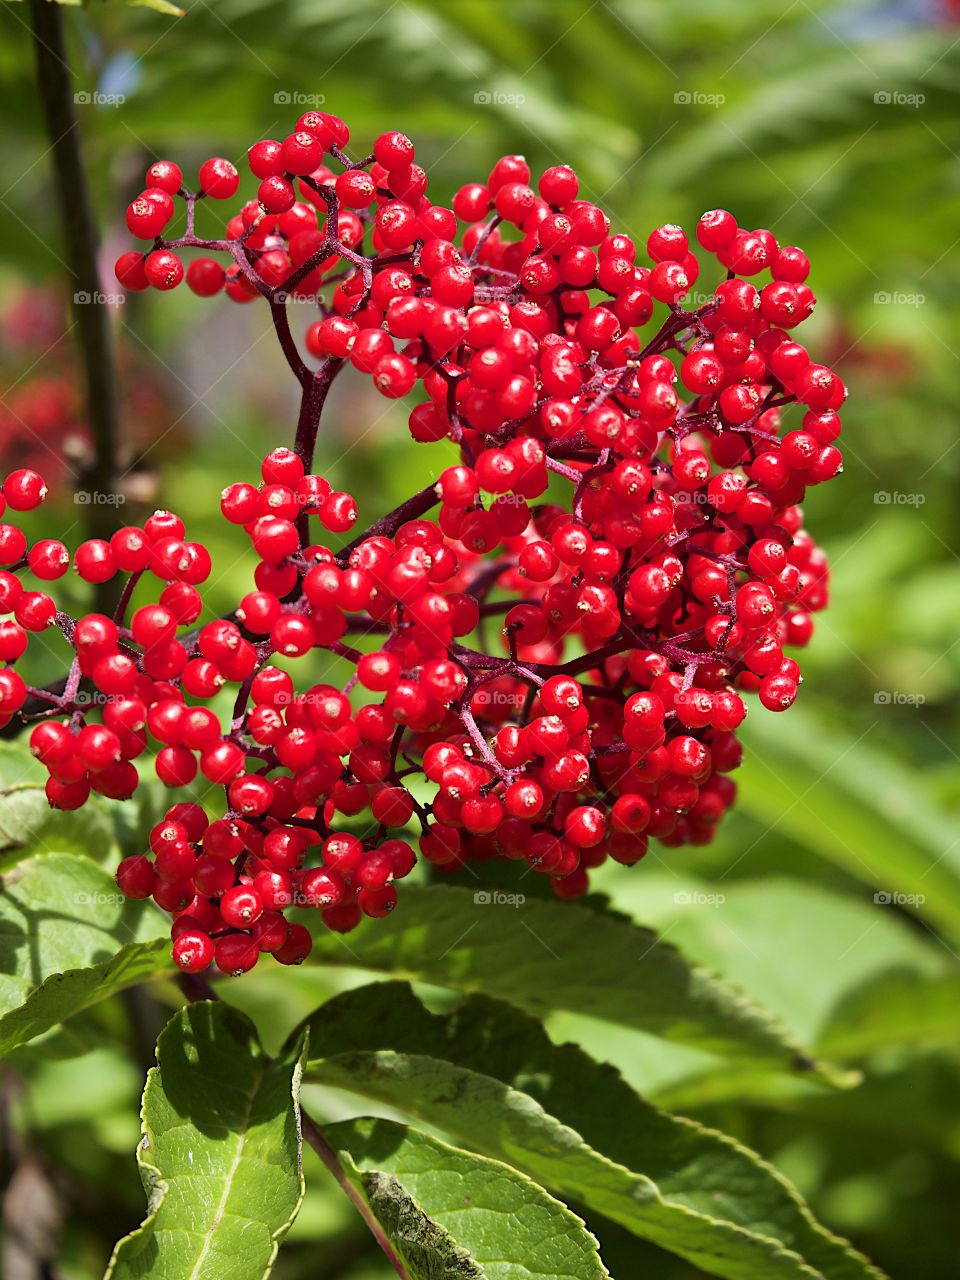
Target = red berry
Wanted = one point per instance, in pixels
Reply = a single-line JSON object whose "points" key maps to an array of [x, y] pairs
{"points": [[163, 269], [193, 951], [219, 178], [205, 277], [24, 490]]}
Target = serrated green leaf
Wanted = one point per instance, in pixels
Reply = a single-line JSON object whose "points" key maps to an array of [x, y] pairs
{"points": [[544, 955], [496, 1224], [68, 938], [490, 1076], [220, 1156]]}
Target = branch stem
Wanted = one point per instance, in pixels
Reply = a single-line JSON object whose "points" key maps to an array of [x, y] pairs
{"points": [[315, 1138], [81, 239]]}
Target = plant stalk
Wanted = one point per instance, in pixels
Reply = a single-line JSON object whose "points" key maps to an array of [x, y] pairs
{"points": [[81, 239]]}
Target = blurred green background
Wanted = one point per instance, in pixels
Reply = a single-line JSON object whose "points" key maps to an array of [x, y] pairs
{"points": [[837, 879]]}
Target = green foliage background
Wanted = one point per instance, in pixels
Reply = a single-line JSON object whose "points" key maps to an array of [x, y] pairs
{"points": [[837, 125]]}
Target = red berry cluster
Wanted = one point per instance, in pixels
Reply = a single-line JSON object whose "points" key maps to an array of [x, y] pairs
{"points": [[626, 510]]}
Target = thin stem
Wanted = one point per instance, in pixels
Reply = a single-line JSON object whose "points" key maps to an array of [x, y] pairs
{"points": [[311, 406], [281, 322], [315, 1138], [121, 610], [81, 237]]}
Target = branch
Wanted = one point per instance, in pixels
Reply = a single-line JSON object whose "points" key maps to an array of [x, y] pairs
{"points": [[314, 1136], [81, 237], [311, 406]]}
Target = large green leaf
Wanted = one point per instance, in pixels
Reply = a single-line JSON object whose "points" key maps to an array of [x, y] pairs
{"points": [[220, 1154], [546, 955], [490, 1076], [453, 1215], [68, 938], [805, 951]]}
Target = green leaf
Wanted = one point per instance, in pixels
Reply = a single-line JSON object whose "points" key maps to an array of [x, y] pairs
{"points": [[27, 822], [490, 1076], [803, 948], [854, 805], [68, 938], [451, 1214], [546, 955], [898, 1007], [220, 1154], [102, 829], [18, 766], [161, 6]]}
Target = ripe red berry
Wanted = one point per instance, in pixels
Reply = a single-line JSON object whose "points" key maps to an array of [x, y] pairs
{"points": [[165, 175], [24, 490], [219, 178], [193, 951], [149, 214], [205, 277], [393, 150], [163, 269]]}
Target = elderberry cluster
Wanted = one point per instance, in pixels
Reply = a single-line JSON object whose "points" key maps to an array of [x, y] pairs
{"points": [[552, 669]]}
